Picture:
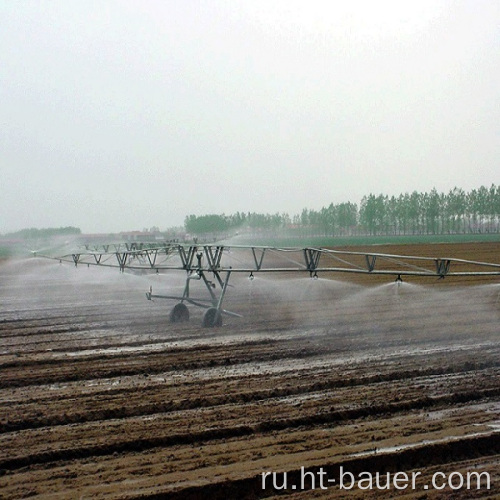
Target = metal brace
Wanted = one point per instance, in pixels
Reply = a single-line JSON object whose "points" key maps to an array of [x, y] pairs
{"points": [[370, 262], [442, 267], [312, 257]]}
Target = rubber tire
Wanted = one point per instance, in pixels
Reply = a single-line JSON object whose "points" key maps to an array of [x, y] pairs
{"points": [[212, 318], [179, 314]]}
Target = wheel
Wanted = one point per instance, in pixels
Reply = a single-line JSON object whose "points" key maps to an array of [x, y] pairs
{"points": [[179, 314], [212, 318]]}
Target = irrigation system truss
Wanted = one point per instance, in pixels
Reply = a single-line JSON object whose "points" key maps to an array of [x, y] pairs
{"points": [[218, 262]]}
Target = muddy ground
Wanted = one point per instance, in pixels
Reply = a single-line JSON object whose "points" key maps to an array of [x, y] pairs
{"points": [[101, 397]]}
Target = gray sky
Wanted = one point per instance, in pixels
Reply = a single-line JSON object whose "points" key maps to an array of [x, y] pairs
{"points": [[120, 115]]}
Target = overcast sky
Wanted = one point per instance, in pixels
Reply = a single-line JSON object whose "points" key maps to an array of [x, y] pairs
{"points": [[119, 115]]}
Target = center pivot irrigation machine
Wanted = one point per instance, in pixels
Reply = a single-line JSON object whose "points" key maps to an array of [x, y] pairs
{"points": [[218, 262]]}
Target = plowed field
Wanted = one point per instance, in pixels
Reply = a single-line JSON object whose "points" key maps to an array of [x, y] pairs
{"points": [[102, 397]]}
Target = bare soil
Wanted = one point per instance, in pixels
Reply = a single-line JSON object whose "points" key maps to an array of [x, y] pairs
{"points": [[102, 397]]}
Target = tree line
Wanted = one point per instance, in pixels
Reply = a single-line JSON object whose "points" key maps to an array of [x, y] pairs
{"points": [[457, 211], [34, 233]]}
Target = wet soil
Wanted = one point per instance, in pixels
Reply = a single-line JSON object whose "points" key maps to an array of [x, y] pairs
{"points": [[102, 397]]}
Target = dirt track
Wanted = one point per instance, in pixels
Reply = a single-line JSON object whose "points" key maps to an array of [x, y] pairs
{"points": [[101, 397]]}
